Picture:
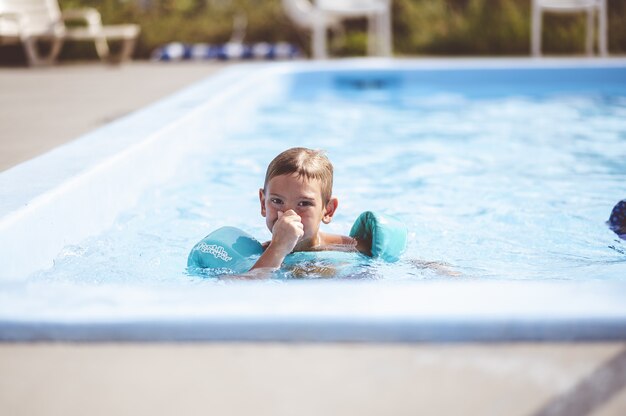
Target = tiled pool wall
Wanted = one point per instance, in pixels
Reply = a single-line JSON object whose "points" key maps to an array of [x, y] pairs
{"points": [[469, 76]]}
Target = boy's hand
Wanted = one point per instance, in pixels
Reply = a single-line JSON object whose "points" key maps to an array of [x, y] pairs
{"points": [[287, 231]]}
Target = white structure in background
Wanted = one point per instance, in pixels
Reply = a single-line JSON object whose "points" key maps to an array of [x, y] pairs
{"points": [[322, 14], [28, 21], [591, 7]]}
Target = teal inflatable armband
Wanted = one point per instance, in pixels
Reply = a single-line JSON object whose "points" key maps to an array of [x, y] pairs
{"points": [[387, 234], [225, 248], [233, 250]]}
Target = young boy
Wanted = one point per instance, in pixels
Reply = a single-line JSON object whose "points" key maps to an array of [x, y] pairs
{"points": [[295, 199]]}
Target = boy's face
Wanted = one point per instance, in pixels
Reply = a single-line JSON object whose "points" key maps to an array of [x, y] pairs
{"points": [[285, 192]]}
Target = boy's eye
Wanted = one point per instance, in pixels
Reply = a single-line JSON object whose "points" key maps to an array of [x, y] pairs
{"points": [[276, 201], [305, 204]]}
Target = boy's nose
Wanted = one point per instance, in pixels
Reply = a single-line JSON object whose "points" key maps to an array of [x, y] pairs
{"points": [[293, 208]]}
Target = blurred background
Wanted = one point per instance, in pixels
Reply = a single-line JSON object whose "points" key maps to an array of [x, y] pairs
{"points": [[420, 27]]}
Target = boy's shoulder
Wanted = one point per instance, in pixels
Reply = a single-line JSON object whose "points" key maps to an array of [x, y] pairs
{"points": [[333, 239]]}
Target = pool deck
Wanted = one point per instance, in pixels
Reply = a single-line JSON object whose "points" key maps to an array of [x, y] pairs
{"points": [[44, 108]]}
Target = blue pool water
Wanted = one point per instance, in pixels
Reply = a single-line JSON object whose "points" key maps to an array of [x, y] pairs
{"points": [[496, 176]]}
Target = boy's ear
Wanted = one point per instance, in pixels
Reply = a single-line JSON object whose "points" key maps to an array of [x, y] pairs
{"points": [[331, 207], [262, 199]]}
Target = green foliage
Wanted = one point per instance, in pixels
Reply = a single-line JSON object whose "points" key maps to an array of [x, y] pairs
{"points": [[421, 27]]}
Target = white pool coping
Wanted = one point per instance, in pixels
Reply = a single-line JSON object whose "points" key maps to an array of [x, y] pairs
{"points": [[323, 311], [78, 189]]}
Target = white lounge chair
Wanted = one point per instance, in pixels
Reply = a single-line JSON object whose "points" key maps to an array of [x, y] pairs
{"points": [[321, 14], [568, 6], [31, 21]]}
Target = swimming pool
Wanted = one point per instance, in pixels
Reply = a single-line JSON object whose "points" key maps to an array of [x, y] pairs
{"points": [[504, 170]]}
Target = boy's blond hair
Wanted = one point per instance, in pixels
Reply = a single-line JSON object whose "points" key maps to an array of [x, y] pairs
{"points": [[306, 163]]}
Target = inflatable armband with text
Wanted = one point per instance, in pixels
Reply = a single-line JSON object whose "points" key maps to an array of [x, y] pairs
{"points": [[225, 248]]}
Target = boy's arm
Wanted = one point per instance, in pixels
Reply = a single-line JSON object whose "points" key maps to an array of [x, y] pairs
{"points": [[271, 258], [441, 268], [345, 243], [364, 246]]}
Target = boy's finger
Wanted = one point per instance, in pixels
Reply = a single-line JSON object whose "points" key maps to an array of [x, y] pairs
{"points": [[279, 214], [292, 215]]}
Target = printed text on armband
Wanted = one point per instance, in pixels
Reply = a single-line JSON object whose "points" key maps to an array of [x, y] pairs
{"points": [[217, 251]]}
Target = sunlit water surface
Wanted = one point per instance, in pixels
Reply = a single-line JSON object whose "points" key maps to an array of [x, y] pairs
{"points": [[489, 186]]}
